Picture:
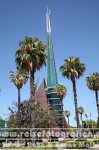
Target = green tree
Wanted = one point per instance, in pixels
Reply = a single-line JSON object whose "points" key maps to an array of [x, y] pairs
{"points": [[45, 118], [19, 78], [81, 112], [93, 84], [73, 69], [12, 121], [90, 123], [31, 57], [42, 116], [67, 114], [61, 91]]}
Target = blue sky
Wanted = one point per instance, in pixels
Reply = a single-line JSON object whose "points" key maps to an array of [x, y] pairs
{"points": [[75, 30]]}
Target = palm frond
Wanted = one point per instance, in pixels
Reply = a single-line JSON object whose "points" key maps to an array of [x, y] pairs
{"points": [[72, 68]]}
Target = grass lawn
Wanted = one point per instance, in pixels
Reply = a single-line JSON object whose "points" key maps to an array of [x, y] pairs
{"points": [[28, 148], [22, 148]]}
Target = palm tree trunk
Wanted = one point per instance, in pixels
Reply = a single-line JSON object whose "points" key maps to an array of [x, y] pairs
{"points": [[75, 102], [97, 102], [68, 120], [62, 116], [19, 116], [81, 120], [32, 97]]}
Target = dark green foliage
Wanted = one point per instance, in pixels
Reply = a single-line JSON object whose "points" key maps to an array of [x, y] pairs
{"points": [[1, 144], [72, 68], [19, 78], [61, 91], [96, 141], [12, 122], [90, 124], [98, 122], [44, 118], [31, 54], [93, 81]]}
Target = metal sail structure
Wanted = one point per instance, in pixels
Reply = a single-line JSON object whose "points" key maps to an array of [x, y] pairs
{"points": [[52, 81]]}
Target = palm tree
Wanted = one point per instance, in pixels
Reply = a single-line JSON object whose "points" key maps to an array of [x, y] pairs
{"points": [[67, 113], [19, 78], [81, 111], [31, 57], [61, 91], [73, 69], [93, 84]]}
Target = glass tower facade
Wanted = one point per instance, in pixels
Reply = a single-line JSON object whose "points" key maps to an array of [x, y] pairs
{"points": [[54, 101]]}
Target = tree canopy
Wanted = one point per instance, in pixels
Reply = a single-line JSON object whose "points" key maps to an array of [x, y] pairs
{"points": [[72, 68]]}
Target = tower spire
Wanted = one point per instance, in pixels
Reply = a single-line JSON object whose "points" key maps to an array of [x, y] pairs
{"points": [[53, 100], [48, 25], [51, 68]]}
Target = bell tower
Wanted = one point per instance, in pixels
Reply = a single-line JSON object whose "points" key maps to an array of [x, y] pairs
{"points": [[54, 101]]}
